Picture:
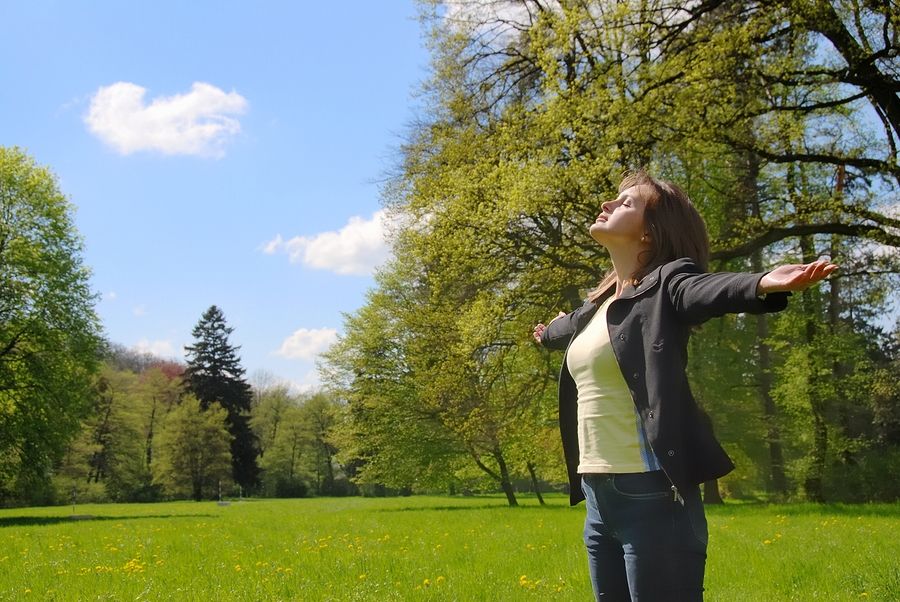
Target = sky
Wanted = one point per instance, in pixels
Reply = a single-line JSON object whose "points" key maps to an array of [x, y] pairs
{"points": [[218, 153]]}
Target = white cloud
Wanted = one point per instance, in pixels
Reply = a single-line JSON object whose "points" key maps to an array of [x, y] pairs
{"points": [[307, 343], [357, 248], [199, 122], [140, 311], [157, 348], [111, 296]]}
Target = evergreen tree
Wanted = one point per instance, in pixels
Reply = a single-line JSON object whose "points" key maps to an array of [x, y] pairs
{"points": [[215, 375]]}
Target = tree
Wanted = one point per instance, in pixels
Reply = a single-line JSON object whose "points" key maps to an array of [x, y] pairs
{"points": [[535, 110], [215, 376], [49, 333], [193, 456], [320, 413], [268, 413], [284, 461], [112, 455]]}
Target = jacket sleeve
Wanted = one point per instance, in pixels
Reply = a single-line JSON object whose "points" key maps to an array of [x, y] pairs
{"points": [[560, 330], [698, 296]]}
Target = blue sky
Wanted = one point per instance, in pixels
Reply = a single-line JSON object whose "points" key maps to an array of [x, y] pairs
{"points": [[221, 153]]}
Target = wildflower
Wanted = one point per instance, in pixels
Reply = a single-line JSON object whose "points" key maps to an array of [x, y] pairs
{"points": [[426, 583], [439, 580], [362, 577], [133, 566], [237, 568], [767, 542]]}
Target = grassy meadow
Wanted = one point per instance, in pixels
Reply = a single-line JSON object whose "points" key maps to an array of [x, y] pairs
{"points": [[418, 548]]}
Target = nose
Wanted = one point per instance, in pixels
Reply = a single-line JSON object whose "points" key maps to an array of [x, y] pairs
{"points": [[607, 206]]}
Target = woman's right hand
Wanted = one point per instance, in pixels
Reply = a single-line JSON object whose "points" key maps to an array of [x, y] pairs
{"points": [[540, 328], [795, 277]]}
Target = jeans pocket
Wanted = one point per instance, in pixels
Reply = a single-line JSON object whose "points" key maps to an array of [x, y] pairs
{"points": [[643, 485]]}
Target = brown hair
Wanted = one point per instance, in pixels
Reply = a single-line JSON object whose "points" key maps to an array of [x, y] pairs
{"points": [[674, 227]]}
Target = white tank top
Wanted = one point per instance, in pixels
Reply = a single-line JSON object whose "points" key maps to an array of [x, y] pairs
{"points": [[611, 438]]}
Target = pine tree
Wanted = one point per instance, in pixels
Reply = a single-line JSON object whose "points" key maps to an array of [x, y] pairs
{"points": [[215, 375]]}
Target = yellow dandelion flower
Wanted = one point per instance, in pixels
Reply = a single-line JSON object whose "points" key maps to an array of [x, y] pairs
{"points": [[426, 582], [440, 579], [362, 576], [237, 568], [767, 542]]}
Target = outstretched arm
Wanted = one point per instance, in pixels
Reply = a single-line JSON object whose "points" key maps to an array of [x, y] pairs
{"points": [[795, 277], [540, 328]]}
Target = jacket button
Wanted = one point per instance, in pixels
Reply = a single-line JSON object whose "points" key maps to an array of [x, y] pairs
{"points": [[650, 414], [621, 337], [671, 452], [635, 376]]}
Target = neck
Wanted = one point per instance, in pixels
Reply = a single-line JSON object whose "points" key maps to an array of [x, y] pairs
{"points": [[625, 264]]}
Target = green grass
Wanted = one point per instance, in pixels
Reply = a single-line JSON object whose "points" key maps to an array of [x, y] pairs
{"points": [[418, 548]]}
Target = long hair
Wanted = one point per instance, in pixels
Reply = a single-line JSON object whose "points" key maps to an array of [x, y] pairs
{"points": [[673, 224]]}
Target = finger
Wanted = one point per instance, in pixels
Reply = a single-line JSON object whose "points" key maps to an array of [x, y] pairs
{"points": [[825, 267]]}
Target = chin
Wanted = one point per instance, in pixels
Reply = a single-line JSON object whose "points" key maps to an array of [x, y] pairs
{"points": [[597, 233]]}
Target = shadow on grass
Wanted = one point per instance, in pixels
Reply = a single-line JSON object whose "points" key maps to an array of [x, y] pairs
{"points": [[27, 521], [884, 510], [473, 507]]}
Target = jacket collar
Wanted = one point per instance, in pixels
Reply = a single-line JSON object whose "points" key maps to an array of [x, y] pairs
{"points": [[631, 291]]}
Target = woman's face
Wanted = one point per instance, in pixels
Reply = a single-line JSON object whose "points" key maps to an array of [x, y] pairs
{"points": [[622, 219]]}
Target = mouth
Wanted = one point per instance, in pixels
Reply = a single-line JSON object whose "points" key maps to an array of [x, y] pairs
{"points": [[600, 218]]}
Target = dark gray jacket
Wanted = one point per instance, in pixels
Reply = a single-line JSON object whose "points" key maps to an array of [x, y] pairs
{"points": [[649, 325]]}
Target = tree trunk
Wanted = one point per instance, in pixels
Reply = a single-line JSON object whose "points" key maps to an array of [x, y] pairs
{"points": [[502, 477], [149, 442], [505, 482], [778, 480], [534, 483], [814, 483]]}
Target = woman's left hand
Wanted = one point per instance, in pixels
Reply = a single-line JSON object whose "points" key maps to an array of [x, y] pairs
{"points": [[795, 277]]}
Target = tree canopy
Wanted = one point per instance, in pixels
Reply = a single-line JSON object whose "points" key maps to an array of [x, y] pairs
{"points": [[762, 111], [49, 334]]}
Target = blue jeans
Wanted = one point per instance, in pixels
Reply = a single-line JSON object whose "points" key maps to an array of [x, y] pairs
{"points": [[642, 545]]}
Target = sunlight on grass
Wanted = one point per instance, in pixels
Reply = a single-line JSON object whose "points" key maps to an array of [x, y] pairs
{"points": [[417, 548]]}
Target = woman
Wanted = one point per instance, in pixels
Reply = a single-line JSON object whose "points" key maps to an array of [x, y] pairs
{"points": [[636, 444]]}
